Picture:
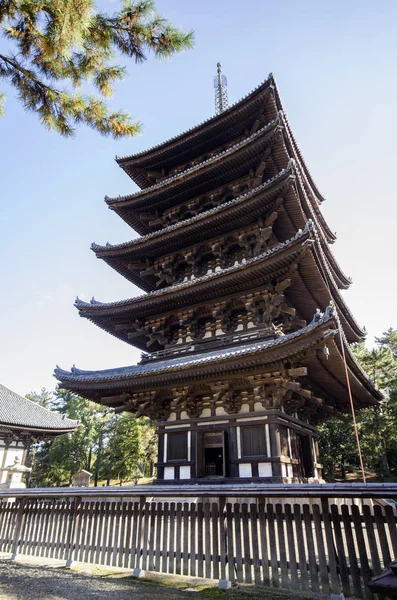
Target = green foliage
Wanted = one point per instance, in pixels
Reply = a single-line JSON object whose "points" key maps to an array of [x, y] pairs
{"points": [[377, 425], [108, 445], [72, 42]]}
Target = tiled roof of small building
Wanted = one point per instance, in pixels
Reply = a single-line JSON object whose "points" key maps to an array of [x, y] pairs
{"points": [[20, 412]]}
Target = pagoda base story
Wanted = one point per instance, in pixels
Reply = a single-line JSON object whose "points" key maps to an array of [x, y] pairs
{"points": [[266, 447]]}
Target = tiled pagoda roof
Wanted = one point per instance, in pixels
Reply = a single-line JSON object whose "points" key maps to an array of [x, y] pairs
{"points": [[224, 123], [234, 358], [21, 413], [241, 210], [308, 281]]}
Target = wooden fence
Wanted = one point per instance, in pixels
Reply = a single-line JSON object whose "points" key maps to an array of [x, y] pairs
{"points": [[280, 539]]}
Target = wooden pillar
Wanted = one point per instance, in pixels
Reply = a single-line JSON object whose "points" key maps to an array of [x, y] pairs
{"points": [[275, 448]]}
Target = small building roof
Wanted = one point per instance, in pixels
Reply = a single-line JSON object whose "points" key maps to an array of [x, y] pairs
{"points": [[21, 413]]}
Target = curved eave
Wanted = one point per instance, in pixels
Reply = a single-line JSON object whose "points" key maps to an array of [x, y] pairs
{"points": [[272, 350], [304, 345], [213, 132], [329, 377], [203, 289], [310, 290], [214, 222], [39, 431], [220, 166], [296, 147]]}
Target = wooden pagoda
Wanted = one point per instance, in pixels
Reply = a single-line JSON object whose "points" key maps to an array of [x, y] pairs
{"points": [[242, 324]]}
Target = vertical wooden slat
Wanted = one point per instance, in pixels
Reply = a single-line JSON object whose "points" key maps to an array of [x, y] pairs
{"points": [[172, 538], [215, 539], [373, 546], [160, 547], [40, 526], [307, 519], [193, 535], [291, 546], [255, 544], [264, 542], [272, 545], [111, 531], [391, 523], [85, 531], [281, 544], [207, 539], [117, 553], [359, 531], [200, 557], [239, 554], [222, 538], [341, 550], [136, 535], [335, 584], [104, 530], [303, 567], [166, 546], [321, 549], [127, 525], [152, 536], [230, 545], [99, 545], [92, 527], [123, 549], [247, 546], [144, 545], [178, 553], [51, 531], [185, 548], [380, 526], [353, 564]]}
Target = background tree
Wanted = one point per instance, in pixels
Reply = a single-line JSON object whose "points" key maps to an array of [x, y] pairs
{"points": [[57, 46], [109, 445], [377, 424]]}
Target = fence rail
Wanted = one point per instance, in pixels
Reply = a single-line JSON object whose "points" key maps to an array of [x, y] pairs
{"points": [[271, 535]]}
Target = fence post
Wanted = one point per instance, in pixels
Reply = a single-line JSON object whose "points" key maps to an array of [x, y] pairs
{"points": [[224, 584], [18, 528], [71, 536]]}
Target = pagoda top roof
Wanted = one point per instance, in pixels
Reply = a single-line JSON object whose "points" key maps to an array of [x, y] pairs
{"points": [[134, 164], [21, 413], [267, 351], [139, 197], [176, 145]]}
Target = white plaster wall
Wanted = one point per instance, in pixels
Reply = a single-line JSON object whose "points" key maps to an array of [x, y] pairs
{"points": [[12, 453], [245, 470], [265, 469], [169, 473], [184, 472]]}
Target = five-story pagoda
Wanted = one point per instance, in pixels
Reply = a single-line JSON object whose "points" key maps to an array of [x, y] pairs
{"points": [[239, 363]]}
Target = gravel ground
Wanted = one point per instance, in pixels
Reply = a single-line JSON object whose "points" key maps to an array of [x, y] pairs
{"points": [[43, 579], [24, 580]]}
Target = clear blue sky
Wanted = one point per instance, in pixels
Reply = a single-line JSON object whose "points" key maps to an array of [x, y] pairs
{"points": [[335, 64]]}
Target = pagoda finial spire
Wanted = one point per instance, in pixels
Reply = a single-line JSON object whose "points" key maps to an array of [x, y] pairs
{"points": [[220, 85]]}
